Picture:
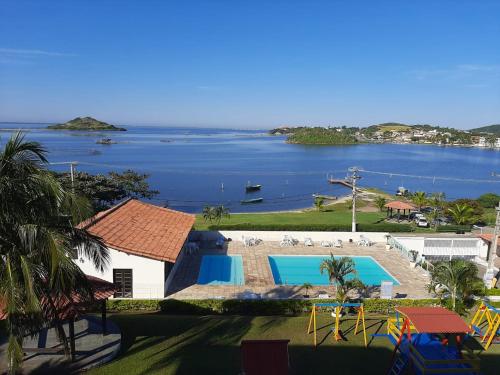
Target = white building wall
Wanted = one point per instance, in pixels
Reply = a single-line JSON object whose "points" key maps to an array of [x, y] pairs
{"points": [[418, 244], [148, 275]]}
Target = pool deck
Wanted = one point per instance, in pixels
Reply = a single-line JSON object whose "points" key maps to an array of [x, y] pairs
{"points": [[259, 278]]}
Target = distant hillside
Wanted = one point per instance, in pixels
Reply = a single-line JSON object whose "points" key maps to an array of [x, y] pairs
{"points": [[495, 129], [393, 126], [321, 136], [85, 123]]}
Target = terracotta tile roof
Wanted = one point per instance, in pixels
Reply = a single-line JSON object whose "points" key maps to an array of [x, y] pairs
{"points": [[398, 205], [143, 229], [488, 237], [74, 306], [434, 320]]}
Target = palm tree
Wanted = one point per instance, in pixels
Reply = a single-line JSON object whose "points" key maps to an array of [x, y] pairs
{"points": [[455, 280], [341, 273], [208, 213], [318, 203], [419, 198], [220, 212], [37, 241], [215, 213], [380, 202], [436, 201], [461, 214]]}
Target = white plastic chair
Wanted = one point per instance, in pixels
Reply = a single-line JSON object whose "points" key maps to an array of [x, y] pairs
{"points": [[308, 242]]}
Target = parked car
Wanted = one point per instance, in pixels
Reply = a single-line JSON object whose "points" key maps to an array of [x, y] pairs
{"points": [[423, 223], [419, 216]]}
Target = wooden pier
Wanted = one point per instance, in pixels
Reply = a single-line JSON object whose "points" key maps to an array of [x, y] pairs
{"points": [[340, 182]]}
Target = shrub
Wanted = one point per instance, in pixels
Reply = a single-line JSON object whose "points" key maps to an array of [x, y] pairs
{"points": [[453, 228], [382, 227], [291, 307], [489, 200], [133, 304], [493, 292]]}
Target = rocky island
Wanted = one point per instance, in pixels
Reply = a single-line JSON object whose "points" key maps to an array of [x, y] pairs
{"points": [[85, 123]]}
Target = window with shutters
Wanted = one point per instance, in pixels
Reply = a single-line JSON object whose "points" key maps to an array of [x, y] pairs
{"points": [[122, 278]]}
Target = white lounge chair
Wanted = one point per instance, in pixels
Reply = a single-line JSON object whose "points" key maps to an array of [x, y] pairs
{"points": [[308, 242], [386, 289], [326, 243], [288, 241], [337, 243], [249, 241], [363, 241]]}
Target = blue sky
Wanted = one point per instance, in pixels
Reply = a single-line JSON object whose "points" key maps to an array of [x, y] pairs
{"points": [[251, 64]]}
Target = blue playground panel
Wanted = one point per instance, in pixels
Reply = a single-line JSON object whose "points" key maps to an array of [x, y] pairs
{"points": [[431, 348], [221, 270], [300, 269]]}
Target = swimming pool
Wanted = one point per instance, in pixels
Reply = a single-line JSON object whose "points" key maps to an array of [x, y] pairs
{"points": [[300, 269], [221, 270]]}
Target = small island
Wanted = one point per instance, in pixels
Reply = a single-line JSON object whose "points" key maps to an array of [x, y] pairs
{"points": [[85, 123]]}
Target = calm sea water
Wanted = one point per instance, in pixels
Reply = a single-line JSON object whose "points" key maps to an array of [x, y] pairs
{"points": [[189, 165]]}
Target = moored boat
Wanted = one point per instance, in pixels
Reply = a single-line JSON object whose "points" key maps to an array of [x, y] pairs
{"points": [[249, 188], [251, 201]]}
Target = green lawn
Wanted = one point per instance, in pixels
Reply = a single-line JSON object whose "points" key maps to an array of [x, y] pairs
{"points": [[335, 216], [166, 344]]}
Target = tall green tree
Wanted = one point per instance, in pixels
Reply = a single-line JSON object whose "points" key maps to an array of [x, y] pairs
{"points": [[220, 212], [461, 214], [437, 202], [215, 213], [342, 274], [105, 190], [208, 213], [380, 202], [319, 203], [420, 199], [37, 240], [489, 200], [456, 281]]}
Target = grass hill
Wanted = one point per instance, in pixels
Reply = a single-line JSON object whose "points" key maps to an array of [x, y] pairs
{"points": [[85, 123], [393, 126], [495, 129]]}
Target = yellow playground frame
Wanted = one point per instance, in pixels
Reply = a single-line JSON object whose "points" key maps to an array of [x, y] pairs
{"points": [[338, 307], [490, 315]]}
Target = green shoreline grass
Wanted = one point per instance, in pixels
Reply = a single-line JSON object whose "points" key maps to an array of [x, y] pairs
{"points": [[296, 218]]}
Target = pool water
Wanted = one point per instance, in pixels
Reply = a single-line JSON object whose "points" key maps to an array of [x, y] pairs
{"points": [[221, 270], [297, 270]]}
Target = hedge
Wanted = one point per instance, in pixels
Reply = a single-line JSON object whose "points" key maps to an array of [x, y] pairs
{"points": [[382, 227], [133, 304], [454, 228], [290, 307], [493, 292]]}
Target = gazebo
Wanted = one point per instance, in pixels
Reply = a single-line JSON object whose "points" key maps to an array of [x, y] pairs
{"points": [[399, 206], [69, 309]]}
